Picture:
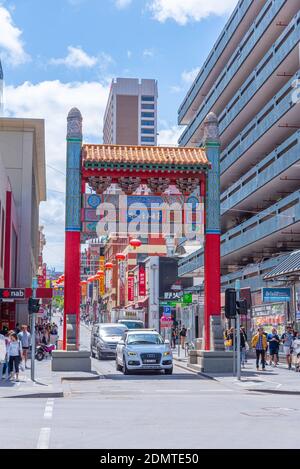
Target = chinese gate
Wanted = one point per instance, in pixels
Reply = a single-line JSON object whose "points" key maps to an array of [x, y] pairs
{"points": [[100, 166]]}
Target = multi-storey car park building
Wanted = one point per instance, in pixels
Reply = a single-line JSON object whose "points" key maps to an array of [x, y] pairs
{"points": [[248, 81]]}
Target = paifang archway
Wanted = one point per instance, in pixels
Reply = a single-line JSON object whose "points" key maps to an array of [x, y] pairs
{"points": [[129, 166]]}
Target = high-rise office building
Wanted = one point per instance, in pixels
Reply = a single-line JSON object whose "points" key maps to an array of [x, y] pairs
{"points": [[131, 113], [248, 81]]}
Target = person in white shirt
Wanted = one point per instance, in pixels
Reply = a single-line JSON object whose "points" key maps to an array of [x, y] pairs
{"points": [[25, 337], [2, 354], [14, 353], [296, 351]]}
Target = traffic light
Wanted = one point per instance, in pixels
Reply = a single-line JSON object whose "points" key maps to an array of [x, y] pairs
{"points": [[242, 307], [230, 303], [33, 305]]}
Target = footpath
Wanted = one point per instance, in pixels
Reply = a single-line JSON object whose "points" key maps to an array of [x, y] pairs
{"points": [[273, 380]]}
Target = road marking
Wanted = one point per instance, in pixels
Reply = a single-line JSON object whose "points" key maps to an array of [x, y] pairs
{"points": [[49, 409], [44, 438]]}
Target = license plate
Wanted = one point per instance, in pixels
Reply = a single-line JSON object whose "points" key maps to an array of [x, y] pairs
{"points": [[150, 361]]}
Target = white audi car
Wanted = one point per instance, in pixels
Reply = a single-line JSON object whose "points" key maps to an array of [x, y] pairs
{"points": [[144, 350]]}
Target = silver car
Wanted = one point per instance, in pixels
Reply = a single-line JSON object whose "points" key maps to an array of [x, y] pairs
{"points": [[104, 339], [144, 350]]}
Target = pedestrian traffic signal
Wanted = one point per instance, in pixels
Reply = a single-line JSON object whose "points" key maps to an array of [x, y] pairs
{"points": [[230, 303], [33, 305], [242, 307]]}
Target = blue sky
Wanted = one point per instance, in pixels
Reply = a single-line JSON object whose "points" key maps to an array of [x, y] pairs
{"points": [[57, 54]]}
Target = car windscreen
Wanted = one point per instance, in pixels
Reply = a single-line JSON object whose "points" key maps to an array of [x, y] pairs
{"points": [[111, 331], [133, 325], [139, 339]]}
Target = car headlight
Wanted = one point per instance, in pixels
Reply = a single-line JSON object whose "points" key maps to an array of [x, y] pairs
{"points": [[132, 354], [167, 353]]}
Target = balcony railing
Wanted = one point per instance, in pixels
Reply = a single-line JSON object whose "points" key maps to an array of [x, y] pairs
{"points": [[275, 109], [267, 222], [283, 157], [264, 70], [239, 57], [223, 40]]}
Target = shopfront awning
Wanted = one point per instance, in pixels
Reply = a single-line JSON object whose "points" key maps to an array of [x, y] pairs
{"points": [[287, 267]]}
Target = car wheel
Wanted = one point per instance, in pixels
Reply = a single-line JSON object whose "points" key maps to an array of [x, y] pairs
{"points": [[124, 368], [92, 353], [99, 355], [169, 371], [118, 367]]}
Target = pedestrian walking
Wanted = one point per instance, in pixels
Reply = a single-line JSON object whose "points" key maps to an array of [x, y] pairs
{"points": [[246, 348], [274, 342], [54, 334], [14, 352], [296, 351], [25, 337], [260, 344], [287, 340], [244, 344], [174, 336], [182, 334], [3, 354]]}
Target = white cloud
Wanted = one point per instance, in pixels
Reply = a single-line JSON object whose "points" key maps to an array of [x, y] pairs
{"points": [[189, 77], [52, 101], [11, 43], [129, 54], [148, 53], [169, 136], [175, 89], [76, 58], [183, 11], [122, 3]]}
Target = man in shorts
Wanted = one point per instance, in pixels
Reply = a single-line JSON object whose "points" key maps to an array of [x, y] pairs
{"points": [[287, 339], [25, 338]]}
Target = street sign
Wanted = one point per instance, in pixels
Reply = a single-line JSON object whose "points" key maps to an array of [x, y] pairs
{"points": [[187, 298], [167, 311], [12, 293], [271, 295], [166, 322]]}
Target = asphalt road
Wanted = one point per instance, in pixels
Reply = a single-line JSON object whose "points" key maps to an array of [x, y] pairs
{"points": [[150, 411]]}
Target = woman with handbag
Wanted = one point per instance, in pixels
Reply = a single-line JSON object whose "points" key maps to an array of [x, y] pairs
{"points": [[14, 352]]}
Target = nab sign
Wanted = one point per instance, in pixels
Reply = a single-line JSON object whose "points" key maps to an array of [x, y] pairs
{"points": [[12, 293]]}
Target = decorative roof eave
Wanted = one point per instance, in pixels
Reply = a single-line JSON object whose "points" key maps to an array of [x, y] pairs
{"points": [[194, 168]]}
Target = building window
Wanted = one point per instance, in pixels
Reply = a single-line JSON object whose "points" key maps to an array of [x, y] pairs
{"points": [[147, 106], [150, 123], [148, 98], [148, 139], [148, 114], [148, 131]]}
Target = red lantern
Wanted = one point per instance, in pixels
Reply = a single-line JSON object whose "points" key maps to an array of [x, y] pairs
{"points": [[120, 257], [109, 265], [135, 243], [100, 273]]}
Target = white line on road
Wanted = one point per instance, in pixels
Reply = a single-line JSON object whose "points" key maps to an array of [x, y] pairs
{"points": [[49, 409], [44, 438]]}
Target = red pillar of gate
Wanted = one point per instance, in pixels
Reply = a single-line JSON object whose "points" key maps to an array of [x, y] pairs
{"points": [[212, 284], [212, 255], [73, 231]]}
